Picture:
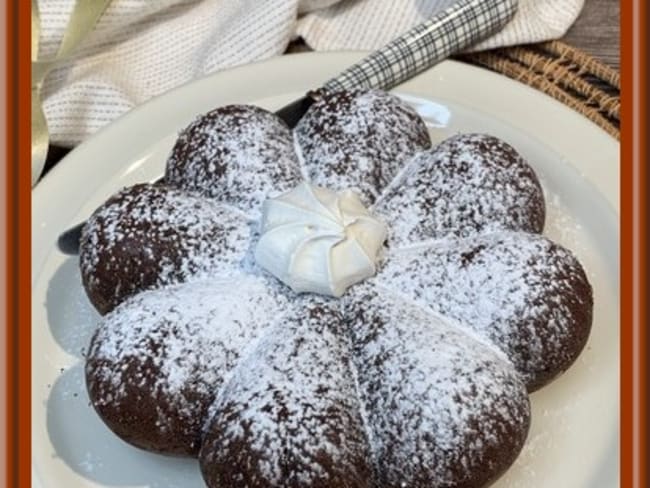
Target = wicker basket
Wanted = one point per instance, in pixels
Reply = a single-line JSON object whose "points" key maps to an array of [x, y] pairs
{"points": [[563, 72]]}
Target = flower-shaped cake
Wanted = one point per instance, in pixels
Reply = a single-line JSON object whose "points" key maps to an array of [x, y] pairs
{"points": [[415, 377]]}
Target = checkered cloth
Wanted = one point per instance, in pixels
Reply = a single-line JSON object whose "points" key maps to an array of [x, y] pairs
{"points": [[141, 48]]}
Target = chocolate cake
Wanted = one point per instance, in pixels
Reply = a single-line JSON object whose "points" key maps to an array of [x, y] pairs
{"points": [[470, 183], [290, 413], [157, 360], [148, 236], [359, 140], [211, 155], [417, 376]]}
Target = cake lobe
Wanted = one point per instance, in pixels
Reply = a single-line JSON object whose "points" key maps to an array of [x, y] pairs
{"points": [[359, 140], [469, 184], [236, 154], [148, 236]]}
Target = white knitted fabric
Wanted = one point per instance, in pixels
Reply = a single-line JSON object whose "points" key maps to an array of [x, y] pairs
{"points": [[141, 48]]}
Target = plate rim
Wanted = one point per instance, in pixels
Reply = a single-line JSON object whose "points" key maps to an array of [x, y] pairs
{"points": [[141, 109], [58, 174]]}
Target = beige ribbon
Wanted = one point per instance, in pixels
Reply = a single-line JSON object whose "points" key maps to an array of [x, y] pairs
{"points": [[84, 16]]}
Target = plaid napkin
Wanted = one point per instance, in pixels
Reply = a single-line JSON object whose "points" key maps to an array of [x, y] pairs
{"points": [[141, 48]]}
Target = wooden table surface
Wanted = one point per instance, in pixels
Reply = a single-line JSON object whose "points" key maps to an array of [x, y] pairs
{"points": [[597, 31]]}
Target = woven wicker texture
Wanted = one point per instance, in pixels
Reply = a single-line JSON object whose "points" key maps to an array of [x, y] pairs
{"points": [[555, 68], [567, 74], [563, 72]]}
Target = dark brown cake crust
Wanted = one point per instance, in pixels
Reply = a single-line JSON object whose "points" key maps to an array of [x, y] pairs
{"points": [[469, 184], [235, 154], [359, 140], [290, 415], [524, 294], [417, 377], [442, 408], [157, 361], [147, 236]]}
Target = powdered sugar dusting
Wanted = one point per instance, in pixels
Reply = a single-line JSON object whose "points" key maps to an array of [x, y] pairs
{"points": [[147, 236], [173, 348], [469, 184], [416, 377], [238, 154], [443, 409], [290, 414], [528, 296], [359, 140], [561, 226]]}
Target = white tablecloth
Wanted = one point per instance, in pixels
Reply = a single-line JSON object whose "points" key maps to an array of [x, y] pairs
{"points": [[141, 48]]}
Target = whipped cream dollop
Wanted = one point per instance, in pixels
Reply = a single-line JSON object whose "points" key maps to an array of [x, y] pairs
{"points": [[316, 240]]}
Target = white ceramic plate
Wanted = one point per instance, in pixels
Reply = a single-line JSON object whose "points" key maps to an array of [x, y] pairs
{"points": [[574, 436]]}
